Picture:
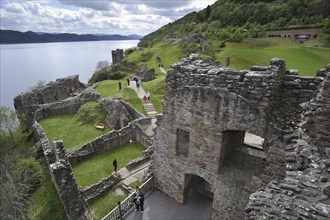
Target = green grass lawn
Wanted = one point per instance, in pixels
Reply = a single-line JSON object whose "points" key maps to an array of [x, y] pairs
{"points": [[91, 171], [106, 203], [260, 51], [110, 88], [64, 127]]}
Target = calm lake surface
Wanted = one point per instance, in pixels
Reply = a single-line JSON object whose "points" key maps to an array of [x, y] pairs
{"points": [[23, 65]]}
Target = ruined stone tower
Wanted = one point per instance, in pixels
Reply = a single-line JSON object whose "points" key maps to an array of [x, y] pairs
{"points": [[208, 110]]}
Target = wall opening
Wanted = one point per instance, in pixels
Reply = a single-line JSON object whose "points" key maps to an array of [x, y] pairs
{"points": [[231, 140], [182, 145], [196, 187], [254, 141], [239, 142]]}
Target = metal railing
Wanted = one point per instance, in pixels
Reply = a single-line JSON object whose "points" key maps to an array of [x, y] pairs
{"points": [[125, 207]]}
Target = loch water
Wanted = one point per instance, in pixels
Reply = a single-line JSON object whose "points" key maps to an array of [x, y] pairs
{"points": [[23, 65]]}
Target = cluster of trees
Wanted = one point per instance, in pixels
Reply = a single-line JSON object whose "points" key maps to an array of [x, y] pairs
{"points": [[104, 71], [20, 174], [234, 20]]}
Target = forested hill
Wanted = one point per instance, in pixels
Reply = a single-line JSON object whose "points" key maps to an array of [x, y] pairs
{"points": [[13, 37], [227, 18]]}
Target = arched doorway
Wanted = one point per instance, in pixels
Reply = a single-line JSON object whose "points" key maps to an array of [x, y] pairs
{"points": [[195, 186]]}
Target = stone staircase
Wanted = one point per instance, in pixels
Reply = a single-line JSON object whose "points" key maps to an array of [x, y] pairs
{"points": [[151, 112]]}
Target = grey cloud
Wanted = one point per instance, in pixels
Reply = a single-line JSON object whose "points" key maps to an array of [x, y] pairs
{"points": [[96, 5], [14, 8], [161, 4]]}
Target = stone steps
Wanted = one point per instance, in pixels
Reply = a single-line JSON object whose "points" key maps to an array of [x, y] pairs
{"points": [[149, 107]]}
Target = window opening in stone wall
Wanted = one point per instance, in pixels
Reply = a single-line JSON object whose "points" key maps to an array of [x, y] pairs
{"points": [[253, 140], [182, 147], [231, 140]]}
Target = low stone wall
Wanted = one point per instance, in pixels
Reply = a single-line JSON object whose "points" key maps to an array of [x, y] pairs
{"points": [[109, 141], [140, 135], [146, 156], [98, 189], [132, 111], [62, 176], [27, 103], [68, 106]]}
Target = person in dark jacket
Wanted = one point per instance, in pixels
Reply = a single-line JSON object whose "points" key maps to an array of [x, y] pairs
{"points": [[115, 165], [138, 199]]}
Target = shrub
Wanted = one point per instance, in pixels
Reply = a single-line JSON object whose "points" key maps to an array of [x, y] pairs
{"points": [[90, 113], [117, 75], [130, 50], [29, 173], [145, 56]]}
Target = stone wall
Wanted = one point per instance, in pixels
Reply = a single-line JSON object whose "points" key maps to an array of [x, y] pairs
{"points": [[62, 176], [29, 102], [305, 192], [206, 101], [96, 190], [109, 141], [66, 107]]}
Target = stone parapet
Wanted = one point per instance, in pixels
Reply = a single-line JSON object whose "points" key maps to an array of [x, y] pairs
{"points": [[96, 190], [305, 191]]}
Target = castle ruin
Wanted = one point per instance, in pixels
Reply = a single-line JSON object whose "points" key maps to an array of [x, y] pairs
{"points": [[200, 142]]}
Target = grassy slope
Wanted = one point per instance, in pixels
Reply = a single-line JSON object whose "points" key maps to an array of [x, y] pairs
{"points": [[45, 202], [169, 54], [110, 88], [64, 127], [98, 167], [306, 59]]}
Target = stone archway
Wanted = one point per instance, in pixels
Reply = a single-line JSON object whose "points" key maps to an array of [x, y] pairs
{"points": [[196, 186]]}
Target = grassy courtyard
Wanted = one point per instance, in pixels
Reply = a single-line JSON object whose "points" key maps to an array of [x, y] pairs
{"points": [[65, 127], [91, 171]]}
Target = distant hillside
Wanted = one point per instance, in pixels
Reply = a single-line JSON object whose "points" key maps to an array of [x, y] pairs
{"points": [[232, 20], [14, 37]]}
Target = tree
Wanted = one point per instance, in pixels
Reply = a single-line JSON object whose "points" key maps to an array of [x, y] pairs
{"points": [[102, 65], [207, 12], [40, 85], [8, 121]]}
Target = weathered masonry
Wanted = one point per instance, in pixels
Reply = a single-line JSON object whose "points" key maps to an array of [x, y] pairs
{"points": [[208, 110]]}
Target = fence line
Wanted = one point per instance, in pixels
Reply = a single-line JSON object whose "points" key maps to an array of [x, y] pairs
{"points": [[125, 207]]}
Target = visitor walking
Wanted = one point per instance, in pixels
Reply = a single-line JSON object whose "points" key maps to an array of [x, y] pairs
{"points": [[138, 85], [138, 199], [148, 96], [119, 83], [127, 81], [227, 61], [115, 166], [145, 98]]}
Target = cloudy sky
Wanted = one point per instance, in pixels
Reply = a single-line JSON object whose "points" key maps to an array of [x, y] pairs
{"points": [[95, 17]]}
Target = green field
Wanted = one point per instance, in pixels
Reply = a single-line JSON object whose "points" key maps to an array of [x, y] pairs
{"points": [[260, 51], [92, 170], [65, 127], [110, 88]]}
